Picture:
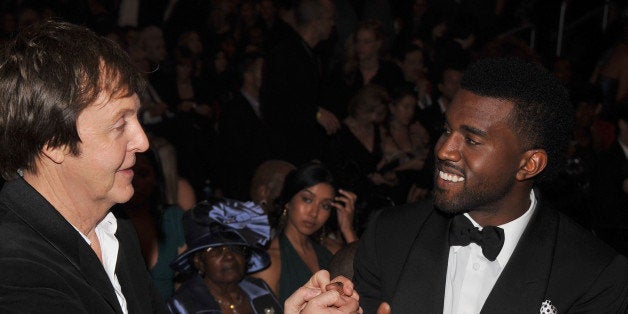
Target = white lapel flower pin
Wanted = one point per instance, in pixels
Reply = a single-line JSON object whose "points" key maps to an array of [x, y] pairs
{"points": [[548, 308]]}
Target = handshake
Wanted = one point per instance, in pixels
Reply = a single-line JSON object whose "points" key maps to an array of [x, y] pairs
{"points": [[323, 295]]}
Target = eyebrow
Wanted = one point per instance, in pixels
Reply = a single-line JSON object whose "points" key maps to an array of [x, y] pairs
{"points": [[473, 130]]}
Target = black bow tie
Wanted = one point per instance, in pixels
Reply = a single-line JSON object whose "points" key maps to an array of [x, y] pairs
{"points": [[462, 232]]}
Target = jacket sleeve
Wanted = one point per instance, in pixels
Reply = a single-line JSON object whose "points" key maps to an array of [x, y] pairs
{"points": [[366, 274], [30, 287], [609, 292]]}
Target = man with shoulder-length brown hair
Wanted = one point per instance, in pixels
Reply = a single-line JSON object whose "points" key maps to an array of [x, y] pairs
{"points": [[68, 115]]}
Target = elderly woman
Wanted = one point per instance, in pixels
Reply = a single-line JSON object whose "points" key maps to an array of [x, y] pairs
{"points": [[225, 242]]}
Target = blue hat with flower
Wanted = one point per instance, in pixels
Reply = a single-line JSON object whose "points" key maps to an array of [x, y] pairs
{"points": [[225, 222]]}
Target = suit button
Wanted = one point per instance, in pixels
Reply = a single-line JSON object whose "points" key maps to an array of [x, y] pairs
{"points": [[476, 266]]}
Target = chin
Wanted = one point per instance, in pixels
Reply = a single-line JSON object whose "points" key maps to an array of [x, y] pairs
{"points": [[123, 195], [447, 205]]}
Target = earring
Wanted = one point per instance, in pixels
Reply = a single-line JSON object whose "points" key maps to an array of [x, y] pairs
{"points": [[285, 212]]}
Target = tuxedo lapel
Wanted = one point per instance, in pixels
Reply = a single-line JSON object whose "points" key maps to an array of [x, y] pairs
{"points": [[37, 213], [421, 286], [522, 285]]}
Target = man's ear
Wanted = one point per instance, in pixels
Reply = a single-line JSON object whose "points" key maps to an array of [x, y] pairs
{"points": [[55, 154], [532, 163]]}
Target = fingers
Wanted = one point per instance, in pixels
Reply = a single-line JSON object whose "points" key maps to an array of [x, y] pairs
{"points": [[319, 280], [331, 302], [297, 301], [383, 308], [347, 287], [346, 200]]}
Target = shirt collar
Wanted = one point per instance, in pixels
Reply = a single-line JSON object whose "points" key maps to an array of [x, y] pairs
{"points": [[109, 225], [512, 231]]}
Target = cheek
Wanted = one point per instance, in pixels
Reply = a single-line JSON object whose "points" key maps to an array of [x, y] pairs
{"points": [[323, 215]]}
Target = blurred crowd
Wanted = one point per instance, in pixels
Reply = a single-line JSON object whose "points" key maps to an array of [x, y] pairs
{"points": [[242, 92]]}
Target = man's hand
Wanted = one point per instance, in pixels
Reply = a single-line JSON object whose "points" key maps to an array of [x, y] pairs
{"points": [[328, 120], [318, 296]]}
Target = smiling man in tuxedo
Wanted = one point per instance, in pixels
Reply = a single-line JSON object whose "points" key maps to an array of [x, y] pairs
{"points": [[488, 242]]}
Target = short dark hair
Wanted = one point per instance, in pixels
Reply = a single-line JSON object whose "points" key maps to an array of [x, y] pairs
{"points": [[542, 116], [49, 73], [307, 175]]}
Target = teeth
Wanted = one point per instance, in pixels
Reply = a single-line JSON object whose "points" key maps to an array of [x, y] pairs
{"points": [[450, 177]]}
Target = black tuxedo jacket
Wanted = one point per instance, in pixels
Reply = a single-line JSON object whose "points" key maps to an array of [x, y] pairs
{"points": [[47, 267], [402, 259]]}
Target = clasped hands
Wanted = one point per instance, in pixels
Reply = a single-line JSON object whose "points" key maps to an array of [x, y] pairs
{"points": [[323, 295]]}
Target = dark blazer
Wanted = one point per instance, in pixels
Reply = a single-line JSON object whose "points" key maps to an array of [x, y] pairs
{"points": [[402, 259], [46, 266], [244, 142], [289, 97]]}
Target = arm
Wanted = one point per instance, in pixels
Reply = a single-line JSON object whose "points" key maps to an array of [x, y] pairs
{"points": [[30, 287], [608, 292], [366, 269]]}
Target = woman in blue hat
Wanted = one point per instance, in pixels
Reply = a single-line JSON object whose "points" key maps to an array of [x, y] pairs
{"points": [[225, 241]]}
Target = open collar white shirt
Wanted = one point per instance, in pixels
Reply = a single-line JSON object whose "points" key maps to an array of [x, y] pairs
{"points": [[470, 276], [106, 233]]}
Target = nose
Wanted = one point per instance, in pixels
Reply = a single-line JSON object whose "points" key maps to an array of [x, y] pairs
{"points": [[139, 141], [227, 253], [448, 148], [313, 210]]}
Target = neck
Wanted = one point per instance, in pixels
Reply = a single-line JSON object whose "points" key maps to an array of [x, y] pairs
{"points": [[396, 125], [504, 211], [299, 241], [309, 35], [222, 289], [358, 122], [369, 64], [84, 215], [251, 90]]}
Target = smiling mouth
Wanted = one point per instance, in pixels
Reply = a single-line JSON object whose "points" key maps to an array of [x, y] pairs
{"points": [[450, 177]]}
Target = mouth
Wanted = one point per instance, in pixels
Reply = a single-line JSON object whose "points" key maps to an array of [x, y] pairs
{"points": [[450, 177], [309, 224]]}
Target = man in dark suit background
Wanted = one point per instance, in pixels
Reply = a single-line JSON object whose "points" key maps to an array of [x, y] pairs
{"points": [[489, 242], [291, 87], [242, 132], [70, 132]]}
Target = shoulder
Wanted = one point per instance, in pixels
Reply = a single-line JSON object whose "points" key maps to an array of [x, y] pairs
{"points": [[271, 274], [407, 214], [581, 246]]}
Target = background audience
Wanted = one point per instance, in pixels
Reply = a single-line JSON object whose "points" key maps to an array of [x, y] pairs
{"points": [[241, 91]]}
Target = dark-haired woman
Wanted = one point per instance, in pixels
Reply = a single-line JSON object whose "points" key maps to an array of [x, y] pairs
{"points": [[308, 198]]}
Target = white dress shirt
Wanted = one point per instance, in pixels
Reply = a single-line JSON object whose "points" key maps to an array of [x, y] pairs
{"points": [[470, 276], [106, 233]]}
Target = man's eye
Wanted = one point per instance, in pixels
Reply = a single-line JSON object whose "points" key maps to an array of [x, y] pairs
{"points": [[471, 141]]}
